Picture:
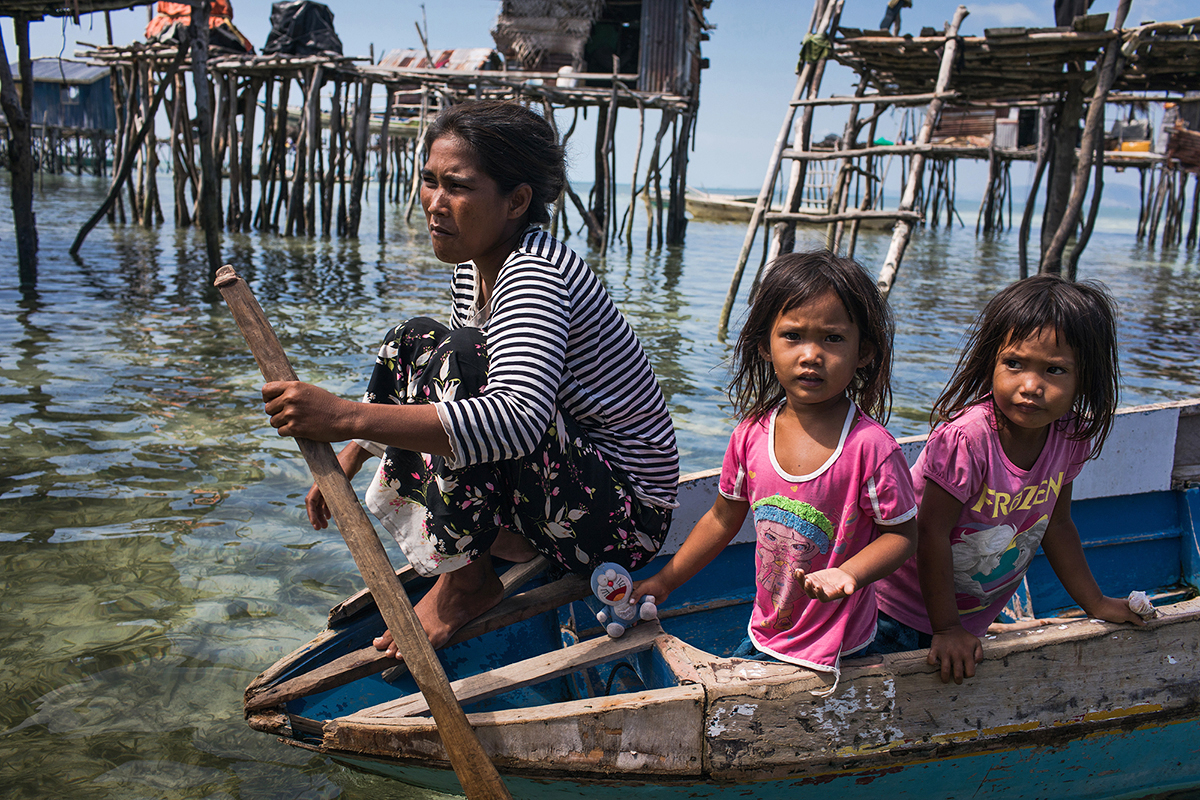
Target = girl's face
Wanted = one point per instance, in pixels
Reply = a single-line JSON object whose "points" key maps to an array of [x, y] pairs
{"points": [[469, 218], [1035, 379], [815, 350]]}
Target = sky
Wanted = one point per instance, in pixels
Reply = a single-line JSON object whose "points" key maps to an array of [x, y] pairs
{"points": [[743, 96]]}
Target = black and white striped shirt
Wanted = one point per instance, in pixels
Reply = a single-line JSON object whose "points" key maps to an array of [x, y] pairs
{"points": [[555, 338]]}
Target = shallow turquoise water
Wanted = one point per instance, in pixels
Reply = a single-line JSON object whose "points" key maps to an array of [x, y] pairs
{"points": [[153, 546]]}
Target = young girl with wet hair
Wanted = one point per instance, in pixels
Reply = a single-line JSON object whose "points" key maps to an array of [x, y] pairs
{"points": [[1031, 401], [827, 486]]}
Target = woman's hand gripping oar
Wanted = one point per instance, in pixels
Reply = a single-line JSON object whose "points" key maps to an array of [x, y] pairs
{"points": [[475, 771]]}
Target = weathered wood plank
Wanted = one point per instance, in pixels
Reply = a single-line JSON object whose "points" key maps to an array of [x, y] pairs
{"points": [[529, 672], [369, 661], [654, 733], [764, 722]]}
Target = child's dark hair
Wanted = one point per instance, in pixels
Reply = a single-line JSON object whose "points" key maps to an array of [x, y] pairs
{"points": [[791, 281], [514, 145], [1082, 314]]}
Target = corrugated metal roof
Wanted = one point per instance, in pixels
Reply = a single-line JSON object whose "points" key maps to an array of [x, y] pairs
{"points": [[463, 58], [62, 70]]}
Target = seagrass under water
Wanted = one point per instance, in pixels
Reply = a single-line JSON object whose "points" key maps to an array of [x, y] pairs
{"points": [[152, 541]]}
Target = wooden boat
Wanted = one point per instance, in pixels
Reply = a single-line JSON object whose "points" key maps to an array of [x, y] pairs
{"points": [[715, 207], [719, 207], [1062, 705]]}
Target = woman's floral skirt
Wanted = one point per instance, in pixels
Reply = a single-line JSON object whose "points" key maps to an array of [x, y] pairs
{"points": [[564, 497]]}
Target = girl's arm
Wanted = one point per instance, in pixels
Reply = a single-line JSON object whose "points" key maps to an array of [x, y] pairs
{"points": [[715, 529], [954, 647], [309, 412], [881, 557], [1064, 551]]}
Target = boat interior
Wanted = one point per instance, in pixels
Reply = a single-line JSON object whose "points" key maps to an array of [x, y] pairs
{"points": [[543, 644]]}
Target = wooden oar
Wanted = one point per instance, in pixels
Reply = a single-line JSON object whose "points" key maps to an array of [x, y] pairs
{"points": [[475, 771]]}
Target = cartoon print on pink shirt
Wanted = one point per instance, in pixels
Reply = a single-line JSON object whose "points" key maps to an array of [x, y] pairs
{"points": [[791, 534], [988, 562]]}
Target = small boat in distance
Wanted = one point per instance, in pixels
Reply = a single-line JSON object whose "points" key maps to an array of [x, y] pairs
{"points": [[1062, 706], [718, 207], [711, 206]]}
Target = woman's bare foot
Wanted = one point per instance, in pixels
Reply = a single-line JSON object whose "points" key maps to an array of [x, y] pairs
{"points": [[512, 547], [455, 599]]}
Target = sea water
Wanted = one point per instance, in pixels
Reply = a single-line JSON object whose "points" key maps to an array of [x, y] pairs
{"points": [[154, 550]]}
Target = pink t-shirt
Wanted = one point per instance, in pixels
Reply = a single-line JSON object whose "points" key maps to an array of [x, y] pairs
{"points": [[1005, 513], [815, 521]]}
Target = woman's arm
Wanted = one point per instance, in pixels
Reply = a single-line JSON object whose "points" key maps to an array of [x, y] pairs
{"points": [[351, 460], [309, 412], [954, 647], [1064, 551], [883, 556], [712, 533]]}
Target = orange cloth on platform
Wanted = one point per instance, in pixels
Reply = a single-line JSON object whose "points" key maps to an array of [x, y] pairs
{"points": [[220, 16]]}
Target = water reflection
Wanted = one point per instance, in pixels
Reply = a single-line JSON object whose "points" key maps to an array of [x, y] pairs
{"points": [[155, 553]]}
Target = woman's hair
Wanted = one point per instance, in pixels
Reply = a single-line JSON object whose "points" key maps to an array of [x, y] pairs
{"points": [[791, 281], [1081, 314], [514, 145]]}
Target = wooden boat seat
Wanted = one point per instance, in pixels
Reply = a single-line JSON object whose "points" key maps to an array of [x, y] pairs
{"points": [[369, 661], [529, 672]]}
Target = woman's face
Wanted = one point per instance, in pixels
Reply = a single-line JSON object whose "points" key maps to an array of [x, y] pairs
{"points": [[469, 218]]}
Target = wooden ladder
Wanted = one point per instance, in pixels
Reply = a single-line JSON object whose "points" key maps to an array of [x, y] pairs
{"points": [[807, 83]]}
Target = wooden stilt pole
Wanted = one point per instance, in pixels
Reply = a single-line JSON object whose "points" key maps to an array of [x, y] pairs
{"points": [[209, 200], [384, 151], [676, 218], [1045, 148], [233, 214], [362, 120], [18, 112], [265, 162], [249, 112], [327, 187], [313, 135], [129, 156], [903, 229], [1195, 223], [1093, 129], [295, 210]]}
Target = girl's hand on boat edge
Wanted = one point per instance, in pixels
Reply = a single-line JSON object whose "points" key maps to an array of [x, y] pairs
{"points": [[827, 584], [302, 410], [1114, 609], [958, 651]]}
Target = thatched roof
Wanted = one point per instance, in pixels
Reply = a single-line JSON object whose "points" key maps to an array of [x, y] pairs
{"points": [[527, 30], [1014, 62]]}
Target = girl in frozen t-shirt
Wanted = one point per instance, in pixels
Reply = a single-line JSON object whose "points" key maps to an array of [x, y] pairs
{"points": [[1032, 399], [827, 486]]}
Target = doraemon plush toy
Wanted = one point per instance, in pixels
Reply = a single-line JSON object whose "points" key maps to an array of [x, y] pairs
{"points": [[611, 583]]}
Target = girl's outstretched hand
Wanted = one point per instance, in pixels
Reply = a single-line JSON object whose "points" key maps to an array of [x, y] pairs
{"points": [[958, 651], [827, 584], [1114, 609]]}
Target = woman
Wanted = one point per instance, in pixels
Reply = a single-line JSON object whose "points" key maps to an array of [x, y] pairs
{"points": [[534, 422]]}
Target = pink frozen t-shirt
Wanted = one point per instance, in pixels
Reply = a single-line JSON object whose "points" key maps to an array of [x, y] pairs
{"points": [[815, 521], [1005, 513]]}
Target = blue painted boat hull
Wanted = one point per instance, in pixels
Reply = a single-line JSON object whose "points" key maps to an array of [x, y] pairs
{"points": [[1105, 766], [1061, 707]]}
